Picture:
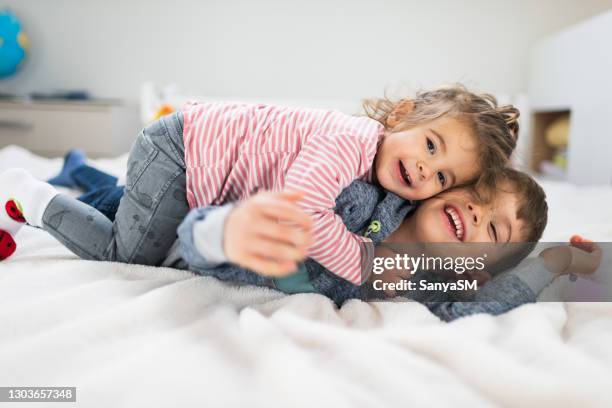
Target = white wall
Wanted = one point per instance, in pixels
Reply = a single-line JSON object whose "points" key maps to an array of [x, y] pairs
{"points": [[288, 49]]}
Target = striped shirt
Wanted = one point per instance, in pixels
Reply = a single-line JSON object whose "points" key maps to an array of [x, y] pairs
{"points": [[233, 150]]}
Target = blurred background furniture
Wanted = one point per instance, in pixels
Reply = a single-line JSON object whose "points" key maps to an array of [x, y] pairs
{"points": [[571, 77], [50, 128]]}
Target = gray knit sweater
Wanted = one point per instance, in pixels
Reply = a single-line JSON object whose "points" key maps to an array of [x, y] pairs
{"points": [[357, 205]]}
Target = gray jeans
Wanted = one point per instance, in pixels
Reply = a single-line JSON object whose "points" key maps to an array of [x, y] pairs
{"points": [[153, 206]]}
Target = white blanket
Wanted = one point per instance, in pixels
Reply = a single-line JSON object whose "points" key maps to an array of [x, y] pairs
{"points": [[128, 335]]}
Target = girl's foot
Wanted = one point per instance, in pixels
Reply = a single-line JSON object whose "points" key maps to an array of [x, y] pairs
{"points": [[11, 221], [7, 245], [73, 159], [22, 199]]}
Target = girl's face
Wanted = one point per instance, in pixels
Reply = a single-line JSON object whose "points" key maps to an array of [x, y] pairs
{"points": [[420, 162]]}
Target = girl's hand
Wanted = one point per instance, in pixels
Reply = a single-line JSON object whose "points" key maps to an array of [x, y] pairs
{"points": [[268, 233], [581, 257]]}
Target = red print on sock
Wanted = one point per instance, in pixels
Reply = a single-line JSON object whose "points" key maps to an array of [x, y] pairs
{"points": [[7, 245], [13, 211]]}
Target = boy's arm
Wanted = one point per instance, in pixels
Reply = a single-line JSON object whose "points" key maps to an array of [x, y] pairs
{"points": [[210, 221], [266, 233], [323, 168], [201, 236], [524, 283], [505, 292]]}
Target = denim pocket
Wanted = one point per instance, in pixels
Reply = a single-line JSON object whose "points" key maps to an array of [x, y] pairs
{"points": [[142, 154]]}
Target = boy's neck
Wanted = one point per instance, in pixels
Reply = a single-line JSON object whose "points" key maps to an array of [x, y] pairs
{"points": [[404, 234]]}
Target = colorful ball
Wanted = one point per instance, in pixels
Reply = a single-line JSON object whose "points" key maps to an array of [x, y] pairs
{"points": [[13, 44]]}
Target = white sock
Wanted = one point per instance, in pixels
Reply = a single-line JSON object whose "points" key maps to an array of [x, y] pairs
{"points": [[31, 195]]}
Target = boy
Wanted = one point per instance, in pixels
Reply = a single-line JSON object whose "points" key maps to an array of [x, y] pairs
{"points": [[517, 211]]}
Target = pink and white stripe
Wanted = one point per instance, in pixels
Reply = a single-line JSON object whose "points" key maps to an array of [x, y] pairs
{"points": [[233, 150]]}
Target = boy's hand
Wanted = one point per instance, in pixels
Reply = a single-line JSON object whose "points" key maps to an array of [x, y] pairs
{"points": [[268, 233], [581, 257]]}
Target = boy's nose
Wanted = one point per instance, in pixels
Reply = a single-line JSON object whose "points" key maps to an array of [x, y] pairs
{"points": [[424, 171]]}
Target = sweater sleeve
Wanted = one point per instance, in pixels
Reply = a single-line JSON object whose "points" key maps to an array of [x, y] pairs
{"points": [[201, 236], [323, 168], [204, 224], [505, 292]]}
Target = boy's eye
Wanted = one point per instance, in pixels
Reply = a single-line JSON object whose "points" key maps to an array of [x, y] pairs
{"points": [[431, 146], [494, 230], [442, 178]]}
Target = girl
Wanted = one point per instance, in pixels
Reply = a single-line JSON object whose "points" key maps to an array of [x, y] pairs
{"points": [[220, 153]]}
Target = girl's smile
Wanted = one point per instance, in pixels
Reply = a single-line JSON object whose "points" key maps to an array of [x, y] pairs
{"points": [[402, 174], [424, 160]]}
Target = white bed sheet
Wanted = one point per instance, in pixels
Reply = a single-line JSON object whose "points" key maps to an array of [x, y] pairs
{"points": [[127, 335]]}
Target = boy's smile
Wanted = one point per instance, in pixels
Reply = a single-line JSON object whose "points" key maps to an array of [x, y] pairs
{"points": [[454, 220], [426, 159], [455, 216]]}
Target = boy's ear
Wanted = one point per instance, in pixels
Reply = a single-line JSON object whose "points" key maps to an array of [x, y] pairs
{"points": [[401, 110]]}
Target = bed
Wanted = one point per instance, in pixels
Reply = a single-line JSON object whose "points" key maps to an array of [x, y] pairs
{"points": [[128, 335]]}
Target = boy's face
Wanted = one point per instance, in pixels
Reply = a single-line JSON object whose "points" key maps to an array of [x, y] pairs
{"points": [[422, 161], [456, 217]]}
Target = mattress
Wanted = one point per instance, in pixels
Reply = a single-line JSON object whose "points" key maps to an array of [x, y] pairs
{"points": [[128, 335]]}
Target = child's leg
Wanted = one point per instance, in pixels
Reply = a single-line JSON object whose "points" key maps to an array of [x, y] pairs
{"points": [[105, 199], [73, 159], [153, 206], [88, 178], [75, 173], [101, 190]]}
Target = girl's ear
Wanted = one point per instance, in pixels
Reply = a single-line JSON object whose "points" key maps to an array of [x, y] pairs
{"points": [[401, 110]]}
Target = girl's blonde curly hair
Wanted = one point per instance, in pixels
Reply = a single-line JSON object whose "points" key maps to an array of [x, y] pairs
{"points": [[495, 127]]}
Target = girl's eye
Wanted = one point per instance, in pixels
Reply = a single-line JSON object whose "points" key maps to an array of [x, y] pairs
{"points": [[494, 231], [431, 146], [442, 178]]}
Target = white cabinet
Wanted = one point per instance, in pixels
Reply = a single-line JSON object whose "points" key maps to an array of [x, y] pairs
{"points": [[101, 128], [572, 72]]}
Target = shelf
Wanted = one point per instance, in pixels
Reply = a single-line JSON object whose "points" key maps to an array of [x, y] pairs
{"points": [[541, 151]]}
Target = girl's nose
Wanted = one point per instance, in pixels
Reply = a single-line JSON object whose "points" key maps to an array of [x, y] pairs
{"points": [[475, 213], [424, 171]]}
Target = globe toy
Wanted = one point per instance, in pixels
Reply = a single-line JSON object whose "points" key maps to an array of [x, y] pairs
{"points": [[13, 44]]}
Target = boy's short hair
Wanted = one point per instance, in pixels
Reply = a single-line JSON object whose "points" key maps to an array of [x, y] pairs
{"points": [[532, 211]]}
